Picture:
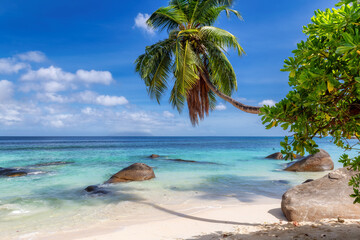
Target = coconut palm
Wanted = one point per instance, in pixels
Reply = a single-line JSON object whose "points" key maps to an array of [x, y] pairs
{"points": [[195, 54]]}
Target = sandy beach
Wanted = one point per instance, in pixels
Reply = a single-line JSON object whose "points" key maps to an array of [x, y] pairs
{"points": [[261, 219], [183, 221]]}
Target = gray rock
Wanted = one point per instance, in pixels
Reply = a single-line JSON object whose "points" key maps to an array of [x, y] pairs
{"points": [[135, 172], [277, 155], [12, 172], [326, 197], [318, 162], [95, 189]]}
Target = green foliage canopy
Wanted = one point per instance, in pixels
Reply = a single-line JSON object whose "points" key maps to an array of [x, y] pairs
{"points": [[325, 80]]}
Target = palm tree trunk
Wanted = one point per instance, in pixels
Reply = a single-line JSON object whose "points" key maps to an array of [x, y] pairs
{"points": [[239, 105]]}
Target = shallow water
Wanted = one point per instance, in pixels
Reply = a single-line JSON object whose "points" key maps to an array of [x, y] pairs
{"points": [[52, 198]]}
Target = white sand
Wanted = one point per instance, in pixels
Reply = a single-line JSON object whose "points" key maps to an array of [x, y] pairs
{"points": [[182, 221], [208, 220]]}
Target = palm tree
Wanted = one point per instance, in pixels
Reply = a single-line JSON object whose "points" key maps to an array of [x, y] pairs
{"points": [[195, 54]]}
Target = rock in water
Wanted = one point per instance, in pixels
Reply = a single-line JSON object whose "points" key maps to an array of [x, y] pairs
{"points": [[154, 156], [320, 161], [95, 189], [12, 172], [326, 197], [277, 155], [135, 172]]}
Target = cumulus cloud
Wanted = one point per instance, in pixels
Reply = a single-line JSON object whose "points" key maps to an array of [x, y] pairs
{"points": [[52, 97], [32, 56], [54, 79], [6, 90], [51, 73], [140, 22], [13, 112], [107, 100], [220, 107], [104, 100], [168, 114], [88, 97], [102, 77], [267, 102], [9, 66]]}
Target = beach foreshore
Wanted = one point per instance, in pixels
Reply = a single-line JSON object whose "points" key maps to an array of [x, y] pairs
{"points": [[260, 219], [180, 221]]}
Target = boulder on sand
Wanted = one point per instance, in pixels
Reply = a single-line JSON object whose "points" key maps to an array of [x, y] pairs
{"points": [[135, 172], [326, 197], [12, 172], [318, 162]]}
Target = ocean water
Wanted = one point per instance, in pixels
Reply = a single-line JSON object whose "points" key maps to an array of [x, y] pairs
{"points": [[52, 197]]}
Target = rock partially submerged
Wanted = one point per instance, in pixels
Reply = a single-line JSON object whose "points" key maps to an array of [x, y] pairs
{"points": [[96, 189], [187, 161], [51, 164], [318, 162], [277, 155], [135, 172], [326, 197], [154, 156], [12, 172], [182, 160]]}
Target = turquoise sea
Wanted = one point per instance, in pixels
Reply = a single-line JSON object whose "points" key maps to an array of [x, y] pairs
{"points": [[51, 197]]}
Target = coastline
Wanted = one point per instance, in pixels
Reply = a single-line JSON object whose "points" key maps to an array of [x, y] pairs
{"points": [[181, 221]]}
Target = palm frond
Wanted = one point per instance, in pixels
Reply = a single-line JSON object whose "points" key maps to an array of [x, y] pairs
{"points": [[169, 18], [220, 37], [154, 67], [220, 69], [186, 77]]}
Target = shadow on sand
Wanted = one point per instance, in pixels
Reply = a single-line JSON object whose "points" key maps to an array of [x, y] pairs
{"points": [[182, 215], [331, 231]]}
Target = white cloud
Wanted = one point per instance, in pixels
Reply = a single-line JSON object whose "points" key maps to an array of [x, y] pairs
{"points": [[107, 100], [32, 56], [9, 65], [88, 111], [140, 22], [6, 90], [268, 102], [168, 114], [103, 77], [13, 112], [88, 97], [220, 107], [52, 97], [51, 74], [58, 120], [54, 87], [54, 79]]}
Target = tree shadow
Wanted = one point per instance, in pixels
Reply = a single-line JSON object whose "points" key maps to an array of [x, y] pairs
{"points": [[289, 231], [182, 215], [244, 188]]}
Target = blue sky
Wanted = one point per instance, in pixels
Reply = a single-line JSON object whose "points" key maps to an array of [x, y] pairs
{"points": [[67, 67]]}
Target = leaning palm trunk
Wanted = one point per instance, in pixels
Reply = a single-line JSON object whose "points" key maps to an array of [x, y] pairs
{"points": [[195, 55], [238, 105]]}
